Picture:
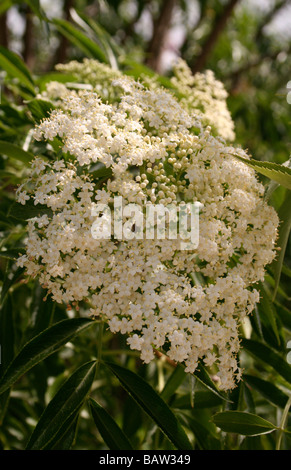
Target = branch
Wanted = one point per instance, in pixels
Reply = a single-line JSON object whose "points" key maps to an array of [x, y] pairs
{"points": [[28, 39], [236, 74], [62, 50], [218, 27], [3, 30], [161, 27], [269, 17], [128, 30]]}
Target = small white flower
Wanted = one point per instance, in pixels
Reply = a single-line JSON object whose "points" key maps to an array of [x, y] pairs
{"points": [[22, 197]]}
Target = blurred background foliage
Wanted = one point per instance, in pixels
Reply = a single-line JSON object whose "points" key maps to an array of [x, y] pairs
{"points": [[247, 45]]}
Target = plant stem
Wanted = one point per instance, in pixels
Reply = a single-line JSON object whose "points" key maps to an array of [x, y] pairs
{"points": [[99, 342], [283, 422]]}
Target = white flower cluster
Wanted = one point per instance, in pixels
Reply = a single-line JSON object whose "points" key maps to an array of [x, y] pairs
{"points": [[149, 149], [204, 95], [200, 93]]}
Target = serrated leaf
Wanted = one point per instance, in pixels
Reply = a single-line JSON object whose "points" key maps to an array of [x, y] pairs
{"points": [[273, 185], [153, 405], [284, 214], [240, 422], [41, 347], [279, 173], [111, 433], [61, 412]]}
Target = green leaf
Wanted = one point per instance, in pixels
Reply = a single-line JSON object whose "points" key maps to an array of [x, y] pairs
{"points": [[8, 282], [35, 5], [284, 214], [153, 405], [204, 430], [16, 68], [203, 399], [6, 334], [62, 409], [279, 173], [267, 355], [100, 171], [267, 308], [273, 185], [90, 26], [240, 422], [42, 346], [5, 4], [112, 434], [7, 342], [284, 314], [29, 210], [12, 253], [79, 39], [66, 441], [174, 381], [267, 389], [202, 375], [13, 151], [40, 109]]}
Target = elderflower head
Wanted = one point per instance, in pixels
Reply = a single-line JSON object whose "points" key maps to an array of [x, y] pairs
{"points": [[147, 148]]}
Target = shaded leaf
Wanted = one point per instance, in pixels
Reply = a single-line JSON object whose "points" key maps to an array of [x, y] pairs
{"points": [[240, 422], [42, 346], [267, 355], [60, 413], [29, 210], [267, 389], [10, 281], [66, 441], [12, 253], [153, 405], [111, 433], [202, 375], [203, 399], [174, 381]]}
